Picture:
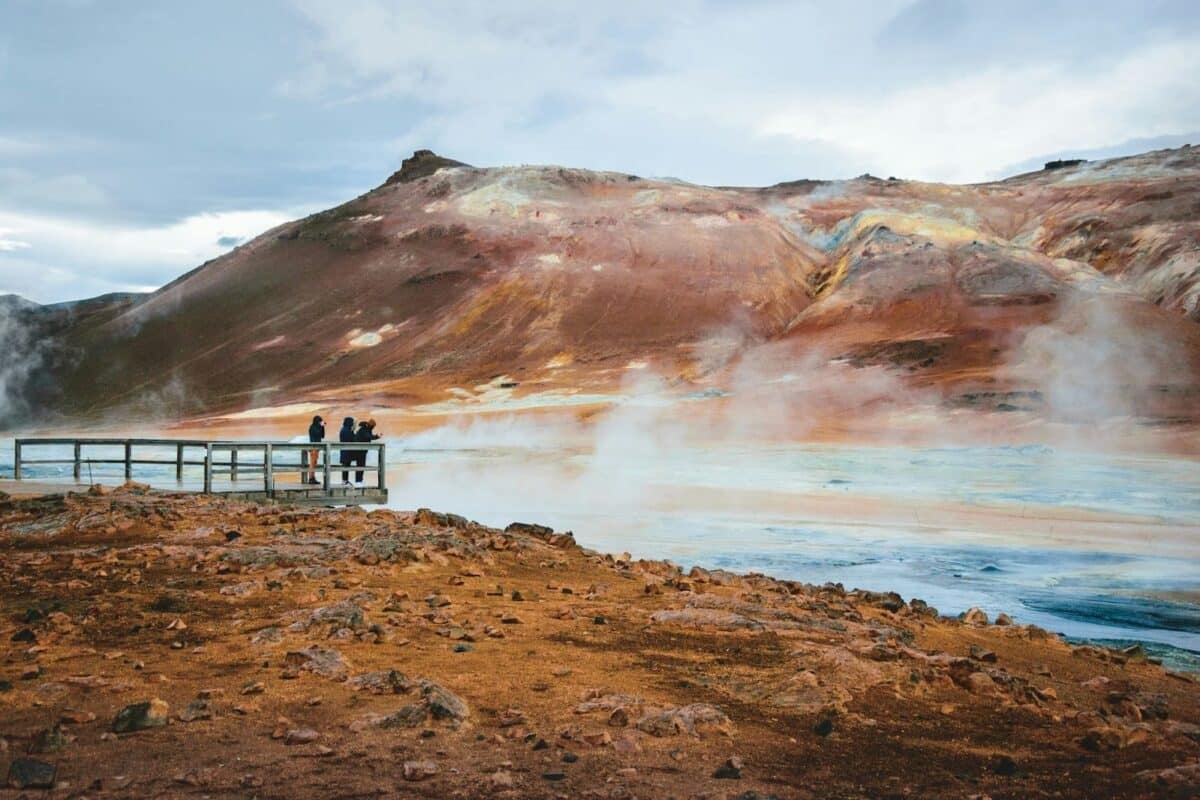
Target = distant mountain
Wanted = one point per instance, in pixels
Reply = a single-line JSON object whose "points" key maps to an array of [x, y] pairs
{"points": [[449, 276]]}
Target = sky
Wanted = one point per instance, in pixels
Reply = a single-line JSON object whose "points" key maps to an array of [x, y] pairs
{"points": [[140, 139]]}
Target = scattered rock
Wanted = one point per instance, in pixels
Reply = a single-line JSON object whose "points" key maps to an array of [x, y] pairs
{"points": [[982, 654], [29, 773], [321, 661], [301, 736], [141, 716], [974, 616], [384, 682], [73, 716], [692, 720], [197, 710], [419, 770], [730, 770], [500, 780]]}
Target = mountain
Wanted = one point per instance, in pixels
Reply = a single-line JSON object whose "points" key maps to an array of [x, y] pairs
{"points": [[449, 280]]}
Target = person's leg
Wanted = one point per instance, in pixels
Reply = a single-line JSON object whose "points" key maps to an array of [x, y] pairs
{"points": [[312, 463], [362, 462]]}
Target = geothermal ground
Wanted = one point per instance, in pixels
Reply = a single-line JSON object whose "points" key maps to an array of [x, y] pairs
{"points": [[185, 646]]}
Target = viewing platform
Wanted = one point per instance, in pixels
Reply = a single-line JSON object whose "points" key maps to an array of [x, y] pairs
{"points": [[261, 471]]}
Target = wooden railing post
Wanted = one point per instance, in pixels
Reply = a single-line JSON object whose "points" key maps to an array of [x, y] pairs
{"points": [[233, 463], [179, 463], [17, 459], [327, 451], [208, 467], [382, 453], [268, 469], [78, 459], [128, 460]]}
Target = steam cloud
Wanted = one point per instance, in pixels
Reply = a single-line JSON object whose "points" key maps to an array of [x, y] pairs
{"points": [[22, 354]]}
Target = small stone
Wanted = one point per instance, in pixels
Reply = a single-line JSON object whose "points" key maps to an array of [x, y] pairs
{"points": [[73, 716], [1003, 619], [597, 738], [599, 620], [463, 648], [511, 717], [975, 616], [1004, 765], [569, 758], [141, 716], [419, 770], [500, 780], [730, 770], [554, 775], [29, 773], [50, 740], [982, 654], [321, 661], [980, 683], [254, 687], [301, 736], [196, 710], [824, 726]]}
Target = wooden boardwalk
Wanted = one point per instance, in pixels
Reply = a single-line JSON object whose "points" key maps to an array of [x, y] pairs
{"points": [[263, 471]]}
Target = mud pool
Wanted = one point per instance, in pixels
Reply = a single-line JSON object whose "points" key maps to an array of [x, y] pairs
{"points": [[1098, 547]]}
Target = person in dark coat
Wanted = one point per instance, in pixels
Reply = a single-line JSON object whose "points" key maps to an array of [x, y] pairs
{"points": [[346, 434], [316, 433], [366, 433]]}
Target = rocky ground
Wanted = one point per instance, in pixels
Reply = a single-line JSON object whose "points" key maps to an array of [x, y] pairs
{"points": [[162, 646]]}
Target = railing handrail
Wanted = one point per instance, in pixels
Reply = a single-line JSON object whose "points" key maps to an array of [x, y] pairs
{"points": [[248, 443], [266, 467]]}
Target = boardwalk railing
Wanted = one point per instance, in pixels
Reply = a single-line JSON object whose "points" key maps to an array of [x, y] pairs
{"points": [[218, 458]]}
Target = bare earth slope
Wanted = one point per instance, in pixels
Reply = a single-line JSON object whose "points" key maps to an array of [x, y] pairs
{"points": [[192, 647], [451, 276]]}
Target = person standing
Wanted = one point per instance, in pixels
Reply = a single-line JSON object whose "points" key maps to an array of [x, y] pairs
{"points": [[346, 457], [316, 433], [366, 433]]}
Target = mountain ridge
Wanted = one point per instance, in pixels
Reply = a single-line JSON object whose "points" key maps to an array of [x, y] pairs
{"points": [[446, 276]]}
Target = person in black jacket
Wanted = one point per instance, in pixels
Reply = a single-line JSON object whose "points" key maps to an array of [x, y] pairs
{"points": [[346, 434], [366, 433], [316, 433]]}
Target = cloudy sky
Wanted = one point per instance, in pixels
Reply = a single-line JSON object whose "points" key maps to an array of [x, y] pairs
{"points": [[138, 139]]}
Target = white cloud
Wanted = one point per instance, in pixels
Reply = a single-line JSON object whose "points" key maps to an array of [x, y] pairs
{"points": [[965, 128], [73, 252], [8, 245], [706, 85]]}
